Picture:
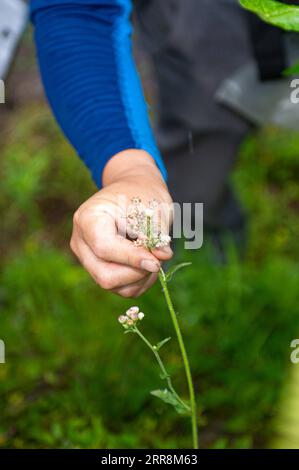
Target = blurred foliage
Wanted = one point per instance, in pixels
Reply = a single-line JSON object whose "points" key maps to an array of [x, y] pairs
{"points": [[275, 12], [286, 422], [278, 14], [72, 379]]}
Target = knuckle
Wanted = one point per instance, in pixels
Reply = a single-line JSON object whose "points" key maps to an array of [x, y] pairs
{"points": [[99, 247], [76, 217], [105, 281], [131, 260], [81, 215], [73, 245]]}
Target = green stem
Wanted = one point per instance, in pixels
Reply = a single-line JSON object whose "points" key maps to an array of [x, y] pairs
{"points": [[176, 325], [149, 228], [165, 374]]}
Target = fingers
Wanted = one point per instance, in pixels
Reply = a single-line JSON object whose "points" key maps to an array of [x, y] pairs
{"points": [[138, 288], [123, 280], [102, 237], [107, 275], [113, 261], [164, 253]]}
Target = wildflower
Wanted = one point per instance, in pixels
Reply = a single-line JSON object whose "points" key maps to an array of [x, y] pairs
{"points": [[131, 318], [148, 212], [132, 310], [122, 319], [143, 226], [136, 201], [164, 240], [153, 203]]}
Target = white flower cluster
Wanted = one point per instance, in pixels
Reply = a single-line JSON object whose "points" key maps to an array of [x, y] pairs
{"points": [[132, 316], [143, 226]]}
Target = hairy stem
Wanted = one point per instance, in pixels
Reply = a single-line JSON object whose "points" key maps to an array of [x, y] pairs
{"points": [[176, 325], [165, 374]]}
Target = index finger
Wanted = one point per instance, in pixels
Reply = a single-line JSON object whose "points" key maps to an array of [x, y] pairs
{"points": [[104, 240]]}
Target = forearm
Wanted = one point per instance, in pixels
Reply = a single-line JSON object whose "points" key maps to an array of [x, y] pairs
{"points": [[85, 59]]}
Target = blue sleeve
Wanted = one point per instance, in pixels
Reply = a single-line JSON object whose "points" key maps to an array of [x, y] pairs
{"points": [[86, 62]]}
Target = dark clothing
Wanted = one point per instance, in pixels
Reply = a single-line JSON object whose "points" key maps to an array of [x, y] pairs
{"points": [[194, 45], [85, 57]]}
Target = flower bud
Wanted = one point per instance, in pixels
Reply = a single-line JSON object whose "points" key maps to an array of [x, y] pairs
{"points": [[163, 240], [140, 316], [148, 212], [132, 311], [122, 319], [136, 200]]}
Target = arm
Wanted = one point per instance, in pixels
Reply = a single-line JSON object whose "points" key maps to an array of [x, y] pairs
{"points": [[85, 58]]}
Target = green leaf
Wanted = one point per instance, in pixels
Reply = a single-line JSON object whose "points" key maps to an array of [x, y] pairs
{"points": [[168, 397], [276, 13], [174, 269], [293, 70], [161, 343]]}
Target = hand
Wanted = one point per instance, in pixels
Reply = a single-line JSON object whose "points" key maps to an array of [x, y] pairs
{"points": [[113, 261]]}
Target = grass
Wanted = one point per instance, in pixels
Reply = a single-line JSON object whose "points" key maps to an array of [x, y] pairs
{"points": [[72, 379]]}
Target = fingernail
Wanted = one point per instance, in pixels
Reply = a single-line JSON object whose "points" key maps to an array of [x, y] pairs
{"points": [[149, 265], [166, 249]]}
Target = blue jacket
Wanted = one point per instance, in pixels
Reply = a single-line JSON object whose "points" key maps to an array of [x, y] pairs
{"points": [[85, 55]]}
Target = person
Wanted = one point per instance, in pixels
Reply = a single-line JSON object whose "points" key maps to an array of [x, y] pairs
{"points": [[84, 49]]}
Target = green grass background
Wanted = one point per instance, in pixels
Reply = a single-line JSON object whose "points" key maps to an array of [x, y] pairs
{"points": [[71, 378]]}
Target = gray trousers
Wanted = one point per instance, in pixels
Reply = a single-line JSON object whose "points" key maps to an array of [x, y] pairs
{"points": [[193, 46]]}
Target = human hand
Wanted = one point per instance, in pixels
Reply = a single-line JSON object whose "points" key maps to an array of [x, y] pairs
{"points": [[98, 241]]}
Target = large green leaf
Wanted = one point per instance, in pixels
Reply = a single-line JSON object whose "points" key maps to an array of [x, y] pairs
{"points": [[276, 13], [168, 397]]}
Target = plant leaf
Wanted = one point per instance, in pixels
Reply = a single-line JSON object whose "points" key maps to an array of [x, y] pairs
{"points": [[168, 397], [174, 269], [293, 70], [274, 12], [161, 343]]}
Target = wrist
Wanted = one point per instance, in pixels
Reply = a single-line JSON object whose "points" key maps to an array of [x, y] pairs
{"points": [[131, 164]]}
